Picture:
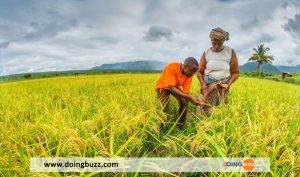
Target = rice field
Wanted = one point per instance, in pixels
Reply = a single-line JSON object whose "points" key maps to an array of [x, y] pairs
{"points": [[117, 116]]}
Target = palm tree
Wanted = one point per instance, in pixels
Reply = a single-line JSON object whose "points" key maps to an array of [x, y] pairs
{"points": [[260, 56]]}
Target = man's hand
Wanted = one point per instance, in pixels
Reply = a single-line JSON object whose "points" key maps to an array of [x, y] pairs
{"points": [[195, 101], [203, 89], [225, 86]]}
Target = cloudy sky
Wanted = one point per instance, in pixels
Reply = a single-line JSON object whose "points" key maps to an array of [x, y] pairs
{"points": [[48, 35]]}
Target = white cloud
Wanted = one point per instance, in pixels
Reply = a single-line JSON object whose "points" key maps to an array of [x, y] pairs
{"points": [[52, 35]]}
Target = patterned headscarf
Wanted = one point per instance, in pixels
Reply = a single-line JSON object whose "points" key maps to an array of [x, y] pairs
{"points": [[219, 34]]}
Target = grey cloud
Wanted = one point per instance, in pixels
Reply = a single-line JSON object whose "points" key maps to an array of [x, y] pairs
{"points": [[285, 4], [51, 29], [89, 43], [293, 25], [89, 26], [106, 39], [250, 24], [4, 45], [225, 0], [265, 38], [79, 34], [92, 43], [156, 33]]}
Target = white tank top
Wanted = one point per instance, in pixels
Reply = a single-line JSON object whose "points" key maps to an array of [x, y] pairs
{"points": [[218, 63]]}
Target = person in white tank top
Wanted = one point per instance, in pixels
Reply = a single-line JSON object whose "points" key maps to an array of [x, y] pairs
{"points": [[218, 70]]}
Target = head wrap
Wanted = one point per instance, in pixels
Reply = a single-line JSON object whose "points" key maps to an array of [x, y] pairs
{"points": [[219, 34]]}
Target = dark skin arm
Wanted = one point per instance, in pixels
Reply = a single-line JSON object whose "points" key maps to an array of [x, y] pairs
{"points": [[179, 93], [200, 73], [234, 70]]}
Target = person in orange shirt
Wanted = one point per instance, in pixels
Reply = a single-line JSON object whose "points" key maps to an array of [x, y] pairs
{"points": [[176, 80]]}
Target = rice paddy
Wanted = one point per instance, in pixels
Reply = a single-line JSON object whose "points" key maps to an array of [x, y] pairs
{"points": [[117, 116]]}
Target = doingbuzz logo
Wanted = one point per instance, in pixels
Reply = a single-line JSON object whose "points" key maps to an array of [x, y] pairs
{"points": [[247, 164]]}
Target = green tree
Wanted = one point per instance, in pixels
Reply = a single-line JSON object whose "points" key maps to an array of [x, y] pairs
{"points": [[260, 56], [27, 76]]}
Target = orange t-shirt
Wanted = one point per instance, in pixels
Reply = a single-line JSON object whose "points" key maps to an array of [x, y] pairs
{"points": [[172, 76]]}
